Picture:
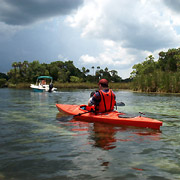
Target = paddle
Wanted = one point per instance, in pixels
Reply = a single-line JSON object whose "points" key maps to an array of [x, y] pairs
{"points": [[117, 104], [120, 104], [83, 113], [141, 114], [79, 114]]}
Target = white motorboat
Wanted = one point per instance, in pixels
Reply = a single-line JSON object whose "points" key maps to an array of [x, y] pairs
{"points": [[42, 84]]}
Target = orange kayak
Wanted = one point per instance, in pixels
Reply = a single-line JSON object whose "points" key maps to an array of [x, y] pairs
{"points": [[114, 117]]}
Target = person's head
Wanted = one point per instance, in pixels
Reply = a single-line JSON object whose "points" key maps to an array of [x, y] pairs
{"points": [[103, 83]]}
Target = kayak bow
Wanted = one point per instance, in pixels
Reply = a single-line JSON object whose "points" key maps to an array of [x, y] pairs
{"points": [[113, 117]]}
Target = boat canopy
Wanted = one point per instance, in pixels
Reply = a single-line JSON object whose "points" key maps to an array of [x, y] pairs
{"points": [[43, 77]]}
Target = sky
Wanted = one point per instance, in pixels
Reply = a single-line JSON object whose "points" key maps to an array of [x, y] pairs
{"points": [[116, 34]]}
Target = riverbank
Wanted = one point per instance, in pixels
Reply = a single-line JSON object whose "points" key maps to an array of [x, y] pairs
{"points": [[114, 86], [74, 85]]}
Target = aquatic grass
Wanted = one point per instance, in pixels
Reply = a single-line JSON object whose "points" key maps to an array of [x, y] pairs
{"points": [[121, 85], [159, 81], [18, 85], [75, 85], [88, 85]]}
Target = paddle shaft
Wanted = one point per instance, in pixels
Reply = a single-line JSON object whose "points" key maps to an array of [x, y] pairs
{"points": [[117, 104], [82, 113], [120, 104]]}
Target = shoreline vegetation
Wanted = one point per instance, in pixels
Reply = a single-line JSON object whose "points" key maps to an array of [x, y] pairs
{"points": [[151, 76], [114, 86], [67, 85]]}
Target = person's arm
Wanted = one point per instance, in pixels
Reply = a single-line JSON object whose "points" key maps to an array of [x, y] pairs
{"points": [[90, 103], [95, 99]]}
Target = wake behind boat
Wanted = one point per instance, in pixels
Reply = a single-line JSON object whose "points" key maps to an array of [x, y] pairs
{"points": [[113, 117], [43, 85]]}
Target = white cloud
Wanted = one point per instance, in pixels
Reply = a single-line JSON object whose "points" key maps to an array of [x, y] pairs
{"points": [[129, 30], [115, 57], [88, 17], [133, 24], [86, 59]]}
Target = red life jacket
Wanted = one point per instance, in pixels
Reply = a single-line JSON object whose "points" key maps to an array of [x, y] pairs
{"points": [[107, 102]]}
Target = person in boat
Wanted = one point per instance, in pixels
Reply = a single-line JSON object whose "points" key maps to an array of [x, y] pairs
{"points": [[104, 99], [43, 82], [50, 87]]}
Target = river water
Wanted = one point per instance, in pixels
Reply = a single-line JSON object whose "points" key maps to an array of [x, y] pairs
{"points": [[39, 143]]}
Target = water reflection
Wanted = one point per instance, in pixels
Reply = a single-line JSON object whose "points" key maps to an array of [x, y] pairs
{"points": [[106, 136], [103, 136]]}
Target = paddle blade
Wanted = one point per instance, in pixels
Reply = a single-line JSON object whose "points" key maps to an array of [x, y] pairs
{"points": [[120, 104]]}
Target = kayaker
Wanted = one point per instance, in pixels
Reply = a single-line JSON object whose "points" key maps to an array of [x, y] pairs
{"points": [[104, 99]]}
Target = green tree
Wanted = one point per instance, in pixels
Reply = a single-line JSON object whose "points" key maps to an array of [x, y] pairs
{"points": [[85, 71], [170, 60], [12, 74], [106, 74], [3, 82], [114, 76], [160, 75], [60, 71], [75, 79], [3, 76]]}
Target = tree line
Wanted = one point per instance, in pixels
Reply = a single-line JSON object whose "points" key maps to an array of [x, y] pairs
{"points": [[60, 71], [162, 75]]}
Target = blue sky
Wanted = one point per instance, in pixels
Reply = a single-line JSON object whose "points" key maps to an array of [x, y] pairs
{"points": [[115, 34]]}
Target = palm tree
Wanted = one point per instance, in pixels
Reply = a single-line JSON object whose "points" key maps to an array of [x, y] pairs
{"points": [[25, 64], [83, 70], [20, 67], [15, 65], [25, 67], [93, 69], [98, 75], [113, 72], [106, 69]]}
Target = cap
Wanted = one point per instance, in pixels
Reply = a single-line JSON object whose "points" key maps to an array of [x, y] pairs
{"points": [[103, 81]]}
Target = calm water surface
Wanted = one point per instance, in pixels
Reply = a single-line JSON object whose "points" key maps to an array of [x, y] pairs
{"points": [[39, 143]]}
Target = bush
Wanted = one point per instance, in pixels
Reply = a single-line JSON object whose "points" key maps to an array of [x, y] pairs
{"points": [[75, 79], [3, 82]]}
